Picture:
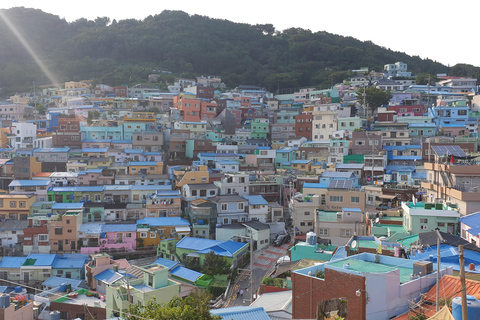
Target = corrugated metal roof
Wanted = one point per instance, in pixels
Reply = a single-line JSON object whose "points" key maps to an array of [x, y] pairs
{"points": [[450, 286], [185, 273], [12, 262], [119, 227], [66, 263], [169, 264], [164, 221], [196, 243], [29, 183], [91, 228], [67, 206], [58, 281], [241, 313], [108, 276], [40, 259], [256, 200]]}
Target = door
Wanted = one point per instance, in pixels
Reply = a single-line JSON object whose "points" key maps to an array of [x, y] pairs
{"points": [[26, 276], [35, 242], [60, 245], [119, 238]]}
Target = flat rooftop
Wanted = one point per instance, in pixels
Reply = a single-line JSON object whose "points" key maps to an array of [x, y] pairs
{"points": [[84, 300], [372, 267]]}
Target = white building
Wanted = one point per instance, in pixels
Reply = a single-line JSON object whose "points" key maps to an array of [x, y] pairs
{"points": [[257, 208], [233, 183]]}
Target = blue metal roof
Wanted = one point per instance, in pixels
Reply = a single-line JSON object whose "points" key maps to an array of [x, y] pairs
{"points": [[122, 141], [399, 168], [67, 206], [97, 140], [300, 161], [241, 313], [133, 151], [53, 282], [94, 149], [352, 209], [185, 273], [119, 228], [169, 264], [52, 150], [196, 243], [419, 175], [349, 166], [227, 162], [42, 259], [315, 185], [164, 221], [142, 163], [108, 276], [69, 263], [471, 220], [29, 183], [12, 262], [91, 227], [77, 189], [331, 174], [256, 200], [94, 171]]}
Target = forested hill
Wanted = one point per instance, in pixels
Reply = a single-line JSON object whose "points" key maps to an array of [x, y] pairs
{"points": [[126, 51]]}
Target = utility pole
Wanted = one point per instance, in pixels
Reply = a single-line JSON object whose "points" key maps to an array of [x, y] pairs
{"points": [[251, 267], [438, 272], [461, 258]]}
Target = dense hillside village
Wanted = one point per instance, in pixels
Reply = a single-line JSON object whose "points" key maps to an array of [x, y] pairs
{"points": [[282, 206]]}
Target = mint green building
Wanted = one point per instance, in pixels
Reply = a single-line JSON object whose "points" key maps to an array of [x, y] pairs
{"points": [[260, 128], [423, 217], [351, 123]]}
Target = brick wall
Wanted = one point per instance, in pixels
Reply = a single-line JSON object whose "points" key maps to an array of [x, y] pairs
{"points": [[308, 291]]}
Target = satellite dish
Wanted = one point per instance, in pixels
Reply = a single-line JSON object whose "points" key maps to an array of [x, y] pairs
{"points": [[354, 244], [377, 220]]}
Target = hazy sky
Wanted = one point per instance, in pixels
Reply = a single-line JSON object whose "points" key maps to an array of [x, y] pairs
{"points": [[445, 31]]}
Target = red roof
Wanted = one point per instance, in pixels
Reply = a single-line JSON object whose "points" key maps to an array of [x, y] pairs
{"points": [[450, 287]]}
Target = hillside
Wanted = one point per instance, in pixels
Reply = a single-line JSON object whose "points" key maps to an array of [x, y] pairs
{"points": [[126, 51]]}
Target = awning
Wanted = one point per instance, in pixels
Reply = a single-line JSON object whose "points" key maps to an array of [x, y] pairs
{"points": [[387, 196], [182, 229]]}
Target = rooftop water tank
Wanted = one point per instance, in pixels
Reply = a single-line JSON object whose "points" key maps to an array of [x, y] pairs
{"points": [[18, 289], [473, 307], [4, 301], [311, 238]]}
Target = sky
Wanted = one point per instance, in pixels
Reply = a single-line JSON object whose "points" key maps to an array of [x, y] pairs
{"points": [[439, 30]]}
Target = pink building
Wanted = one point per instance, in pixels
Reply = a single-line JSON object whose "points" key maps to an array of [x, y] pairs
{"points": [[413, 110], [95, 177], [117, 237]]}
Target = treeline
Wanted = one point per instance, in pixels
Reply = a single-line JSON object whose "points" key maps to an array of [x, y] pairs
{"points": [[127, 51]]}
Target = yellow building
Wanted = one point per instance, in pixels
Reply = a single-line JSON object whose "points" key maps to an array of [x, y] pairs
{"points": [[76, 85], [4, 137], [197, 175], [302, 165], [20, 100], [145, 167], [16, 207], [150, 231]]}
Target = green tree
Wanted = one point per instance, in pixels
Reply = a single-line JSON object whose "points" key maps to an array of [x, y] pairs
{"points": [[215, 264], [193, 307], [374, 98]]}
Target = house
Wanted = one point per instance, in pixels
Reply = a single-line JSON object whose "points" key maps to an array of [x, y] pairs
{"points": [[63, 231], [227, 166], [198, 248], [11, 232], [99, 263], [470, 228], [257, 208], [203, 216], [340, 226], [164, 203], [16, 207], [105, 279], [37, 187], [153, 284], [230, 208], [422, 216], [259, 231], [375, 286], [15, 311], [194, 191], [99, 237], [151, 230], [233, 182]]}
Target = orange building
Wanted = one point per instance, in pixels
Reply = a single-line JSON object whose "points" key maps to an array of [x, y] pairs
{"points": [[63, 231]]}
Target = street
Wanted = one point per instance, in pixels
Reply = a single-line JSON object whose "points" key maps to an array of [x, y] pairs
{"points": [[263, 263]]}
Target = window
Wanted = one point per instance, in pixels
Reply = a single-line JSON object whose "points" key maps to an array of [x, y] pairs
{"points": [[1, 202], [336, 198], [212, 192], [307, 213], [68, 274], [345, 232], [240, 206], [153, 234], [322, 232], [194, 193], [21, 204], [43, 237], [143, 234], [68, 221], [355, 199], [441, 224], [423, 220], [224, 206], [69, 230], [302, 224], [13, 204], [203, 179], [58, 230]]}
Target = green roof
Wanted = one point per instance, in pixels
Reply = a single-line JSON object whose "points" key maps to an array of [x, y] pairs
{"points": [[30, 262], [371, 267], [409, 240], [367, 244], [327, 216]]}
